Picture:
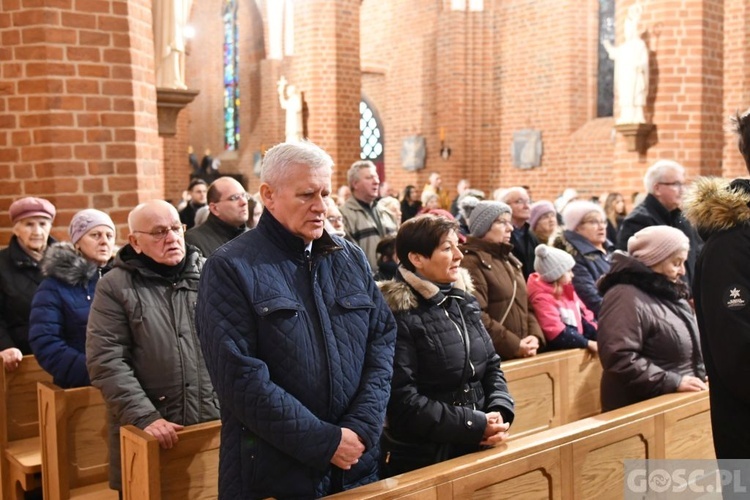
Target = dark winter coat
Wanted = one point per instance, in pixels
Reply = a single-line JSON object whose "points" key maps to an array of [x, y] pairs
{"points": [[142, 351], [721, 291], [298, 348], [494, 270], [648, 337], [524, 244], [591, 264], [652, 213], [430, 360], [212, 234], [20, 276], [60, 312], [187, 214]]}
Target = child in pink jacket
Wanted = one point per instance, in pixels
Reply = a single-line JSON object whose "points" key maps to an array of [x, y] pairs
{"points": [[565, 320]]}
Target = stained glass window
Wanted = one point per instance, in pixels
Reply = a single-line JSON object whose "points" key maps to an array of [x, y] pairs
{"points": [[371, 136], [606, 69], [231, 79]]}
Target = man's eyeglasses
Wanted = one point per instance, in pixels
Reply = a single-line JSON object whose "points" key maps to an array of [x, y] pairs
{"points": [[237, 197], [675, 184], [520, 201], [161, 233]]}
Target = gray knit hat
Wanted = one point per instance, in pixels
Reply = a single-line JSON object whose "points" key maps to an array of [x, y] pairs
{"points": [[551, 263], [484, 214]]}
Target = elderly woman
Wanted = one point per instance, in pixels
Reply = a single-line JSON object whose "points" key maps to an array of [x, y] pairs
{"points": [[648, 335], [20, 274], [585, 238], [499, 285], [543, 221], [60, 309], [448, 394]]}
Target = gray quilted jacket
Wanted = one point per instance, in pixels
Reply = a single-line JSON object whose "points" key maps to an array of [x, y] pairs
{"points": [[297, 349], [142, 351]]}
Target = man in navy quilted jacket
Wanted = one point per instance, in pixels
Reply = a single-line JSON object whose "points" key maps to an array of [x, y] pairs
{"points": [[298, 341]]}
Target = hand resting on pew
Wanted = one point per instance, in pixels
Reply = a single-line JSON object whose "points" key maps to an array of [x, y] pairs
{"points": [[11, 358], [496, 431], [164, 431], [691, 384], [349, 451]]}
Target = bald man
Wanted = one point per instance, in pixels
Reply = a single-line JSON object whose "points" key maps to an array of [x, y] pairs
{"points": [[229, 208], [142, 351]]}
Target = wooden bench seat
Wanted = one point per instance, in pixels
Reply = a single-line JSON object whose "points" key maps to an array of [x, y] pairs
{"points": [[553, 389], [75, 452], [580, 460], [190, 470], [20, 448]]}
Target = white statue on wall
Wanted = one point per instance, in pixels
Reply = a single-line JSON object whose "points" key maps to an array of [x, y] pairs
{"points": [[291, 101], [169, 20], [631, 69]]}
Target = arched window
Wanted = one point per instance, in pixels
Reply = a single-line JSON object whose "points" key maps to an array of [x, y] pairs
{"points": [[231, 78], [370, 133], [606, 69]]}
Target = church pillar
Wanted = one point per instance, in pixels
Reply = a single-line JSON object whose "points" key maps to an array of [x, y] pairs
{"points": [[78, 107], [327, 69]]}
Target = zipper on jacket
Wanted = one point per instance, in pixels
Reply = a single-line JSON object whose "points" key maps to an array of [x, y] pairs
{"points": [[460, 335]]}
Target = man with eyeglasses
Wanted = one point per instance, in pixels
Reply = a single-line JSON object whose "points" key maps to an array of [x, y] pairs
{"points": [[142, 350], [665, 184], [523, 239], [229, 209], [299, 343]]}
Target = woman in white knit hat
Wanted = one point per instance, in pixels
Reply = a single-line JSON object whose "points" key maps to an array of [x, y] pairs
{"points": [[565, 320], [648, 335], [60, 308]]}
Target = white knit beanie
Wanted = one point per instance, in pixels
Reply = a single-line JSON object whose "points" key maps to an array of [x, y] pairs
{"points": [[654, 244], [577, 210], [551, 263]]}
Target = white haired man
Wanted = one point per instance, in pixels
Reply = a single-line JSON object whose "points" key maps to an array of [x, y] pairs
{"points": [[664, 182]]}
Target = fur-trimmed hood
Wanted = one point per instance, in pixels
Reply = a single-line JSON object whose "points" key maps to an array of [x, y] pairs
{"points": [[401, 293], [628, 271], [63, 262], [715, 204]]}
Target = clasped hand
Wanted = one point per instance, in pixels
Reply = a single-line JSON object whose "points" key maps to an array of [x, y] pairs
{"points": [[165, 432], [349, 450], [496, 430]]}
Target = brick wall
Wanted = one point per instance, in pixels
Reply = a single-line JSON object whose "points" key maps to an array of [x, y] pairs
{"points": [[77, 107], [736, 84]]}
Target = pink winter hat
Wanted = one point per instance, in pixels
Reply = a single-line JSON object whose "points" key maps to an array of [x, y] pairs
{"points": [[31, 207], [539, 209], [577, 210], [655, 244]]}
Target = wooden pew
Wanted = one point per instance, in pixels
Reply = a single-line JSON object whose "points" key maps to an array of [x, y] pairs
{"points": [[20, 449], [189, 470], [75, 453], [553, 389], [579, 460]]}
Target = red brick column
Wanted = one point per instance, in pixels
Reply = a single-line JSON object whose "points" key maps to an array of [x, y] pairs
{"points": [[77, 106], [736, 80]]}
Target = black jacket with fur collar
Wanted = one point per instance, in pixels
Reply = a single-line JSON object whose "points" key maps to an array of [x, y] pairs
{"points": [[720, 210], [430, 359]]}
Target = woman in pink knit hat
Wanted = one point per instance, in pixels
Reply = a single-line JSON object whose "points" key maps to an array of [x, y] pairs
{"points": [[648, 335]]}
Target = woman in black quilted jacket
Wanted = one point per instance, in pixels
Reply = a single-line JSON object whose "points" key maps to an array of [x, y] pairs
{"points": [[448, 394]]}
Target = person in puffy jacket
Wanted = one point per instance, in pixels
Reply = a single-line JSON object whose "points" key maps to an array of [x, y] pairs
{"points": [[449, 396], [60, 308], [298, 342], [648, 335], [142, 350], [562, 315]]}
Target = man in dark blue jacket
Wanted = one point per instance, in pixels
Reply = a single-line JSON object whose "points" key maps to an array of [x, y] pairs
{"points": [[298, 341]]}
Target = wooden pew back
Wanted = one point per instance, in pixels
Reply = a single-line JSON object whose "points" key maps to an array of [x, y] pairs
{"points": [[20, 451], [75, 453], [189, 470], [579, 460], [553, 389]]}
